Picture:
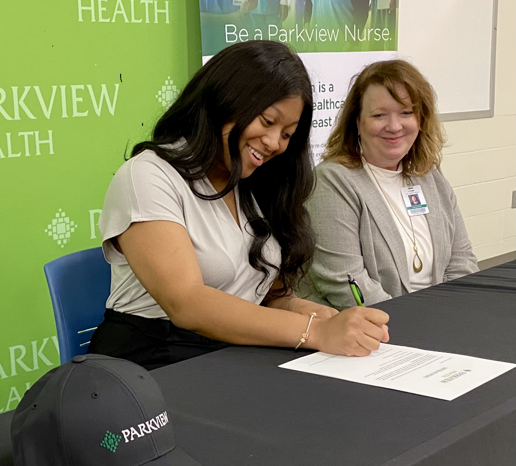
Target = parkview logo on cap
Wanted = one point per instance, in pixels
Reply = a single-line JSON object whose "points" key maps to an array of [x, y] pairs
{"points": [[95, 410], [154, 424]]}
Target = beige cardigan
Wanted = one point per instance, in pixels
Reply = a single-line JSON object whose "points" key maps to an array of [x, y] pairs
{"points": [[356, 234]]}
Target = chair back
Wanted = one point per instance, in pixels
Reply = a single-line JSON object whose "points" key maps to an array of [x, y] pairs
{"points": [[79, 285]]}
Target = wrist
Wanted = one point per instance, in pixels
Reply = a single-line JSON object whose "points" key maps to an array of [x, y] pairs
{"points": [[306, 334], [315, 330]]}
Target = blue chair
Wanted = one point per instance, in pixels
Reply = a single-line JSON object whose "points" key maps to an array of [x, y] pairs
{"points": [[79, 285]]}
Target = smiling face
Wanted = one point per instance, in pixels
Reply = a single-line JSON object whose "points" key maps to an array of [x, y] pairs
{"points": [[387, 128], [266, 136]]}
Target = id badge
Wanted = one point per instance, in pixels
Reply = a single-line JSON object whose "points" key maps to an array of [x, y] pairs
{"points": [[414, 200]]}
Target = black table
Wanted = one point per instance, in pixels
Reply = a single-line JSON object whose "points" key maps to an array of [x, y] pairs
{"points": [[236, 407]]}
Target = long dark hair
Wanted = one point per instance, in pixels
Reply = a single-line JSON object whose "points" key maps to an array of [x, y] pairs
{"points": [[235, 86]]}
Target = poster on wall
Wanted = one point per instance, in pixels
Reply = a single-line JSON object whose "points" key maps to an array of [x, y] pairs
{"points": [[334, 38]]}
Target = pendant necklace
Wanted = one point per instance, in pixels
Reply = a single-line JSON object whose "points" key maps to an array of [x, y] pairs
{"points": [[417, 263]]}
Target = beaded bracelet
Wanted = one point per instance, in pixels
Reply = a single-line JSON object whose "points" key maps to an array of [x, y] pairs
{"points": [[305, 335]]}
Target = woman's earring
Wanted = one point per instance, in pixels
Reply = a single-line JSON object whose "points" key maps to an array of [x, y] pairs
{"points": [[360, 150]]}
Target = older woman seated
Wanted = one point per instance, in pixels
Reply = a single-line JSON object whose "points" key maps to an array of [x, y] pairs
{"points": [[382, 209]]}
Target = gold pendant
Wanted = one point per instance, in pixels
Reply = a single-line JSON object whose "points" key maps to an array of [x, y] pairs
{"points": [[417, 265]]}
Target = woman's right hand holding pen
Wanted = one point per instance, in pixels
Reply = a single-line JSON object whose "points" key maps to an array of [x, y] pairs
{"points": [[356, 331]]}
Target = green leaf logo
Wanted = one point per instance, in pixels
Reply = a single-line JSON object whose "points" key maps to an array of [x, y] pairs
{"points": [[61, 228], [168, 93], [111, 441]]}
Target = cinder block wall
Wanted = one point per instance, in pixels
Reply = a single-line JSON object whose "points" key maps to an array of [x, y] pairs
{"points": [[480, 157]]}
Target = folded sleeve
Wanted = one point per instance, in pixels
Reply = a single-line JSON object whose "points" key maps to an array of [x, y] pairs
{"points": [[146, 188]]}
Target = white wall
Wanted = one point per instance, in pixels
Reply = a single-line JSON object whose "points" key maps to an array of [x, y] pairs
{"points": [[480, 157]]}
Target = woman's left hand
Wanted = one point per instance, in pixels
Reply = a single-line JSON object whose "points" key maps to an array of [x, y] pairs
{"points": [[302, 306]]}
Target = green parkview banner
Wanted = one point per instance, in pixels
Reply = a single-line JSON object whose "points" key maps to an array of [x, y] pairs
{"points": [[81, 82], [334, 38]]}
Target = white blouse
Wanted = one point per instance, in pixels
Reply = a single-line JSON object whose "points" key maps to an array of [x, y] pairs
{"points": [[389, 184], [146, 188]]}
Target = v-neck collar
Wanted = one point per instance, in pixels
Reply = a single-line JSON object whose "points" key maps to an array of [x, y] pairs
{"points": [[223, 208]]}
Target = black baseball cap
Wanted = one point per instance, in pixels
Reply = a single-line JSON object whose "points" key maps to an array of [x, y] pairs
{"points": [[95, 410]]}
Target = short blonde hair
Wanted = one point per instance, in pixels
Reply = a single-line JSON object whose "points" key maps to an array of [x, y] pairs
{"points": [[425, 153]]}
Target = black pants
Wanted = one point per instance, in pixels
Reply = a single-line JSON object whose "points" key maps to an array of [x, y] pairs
{"points": [[151, 343]]}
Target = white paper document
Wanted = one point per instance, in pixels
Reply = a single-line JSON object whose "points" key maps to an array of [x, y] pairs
{"points": [[429, 373]]}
